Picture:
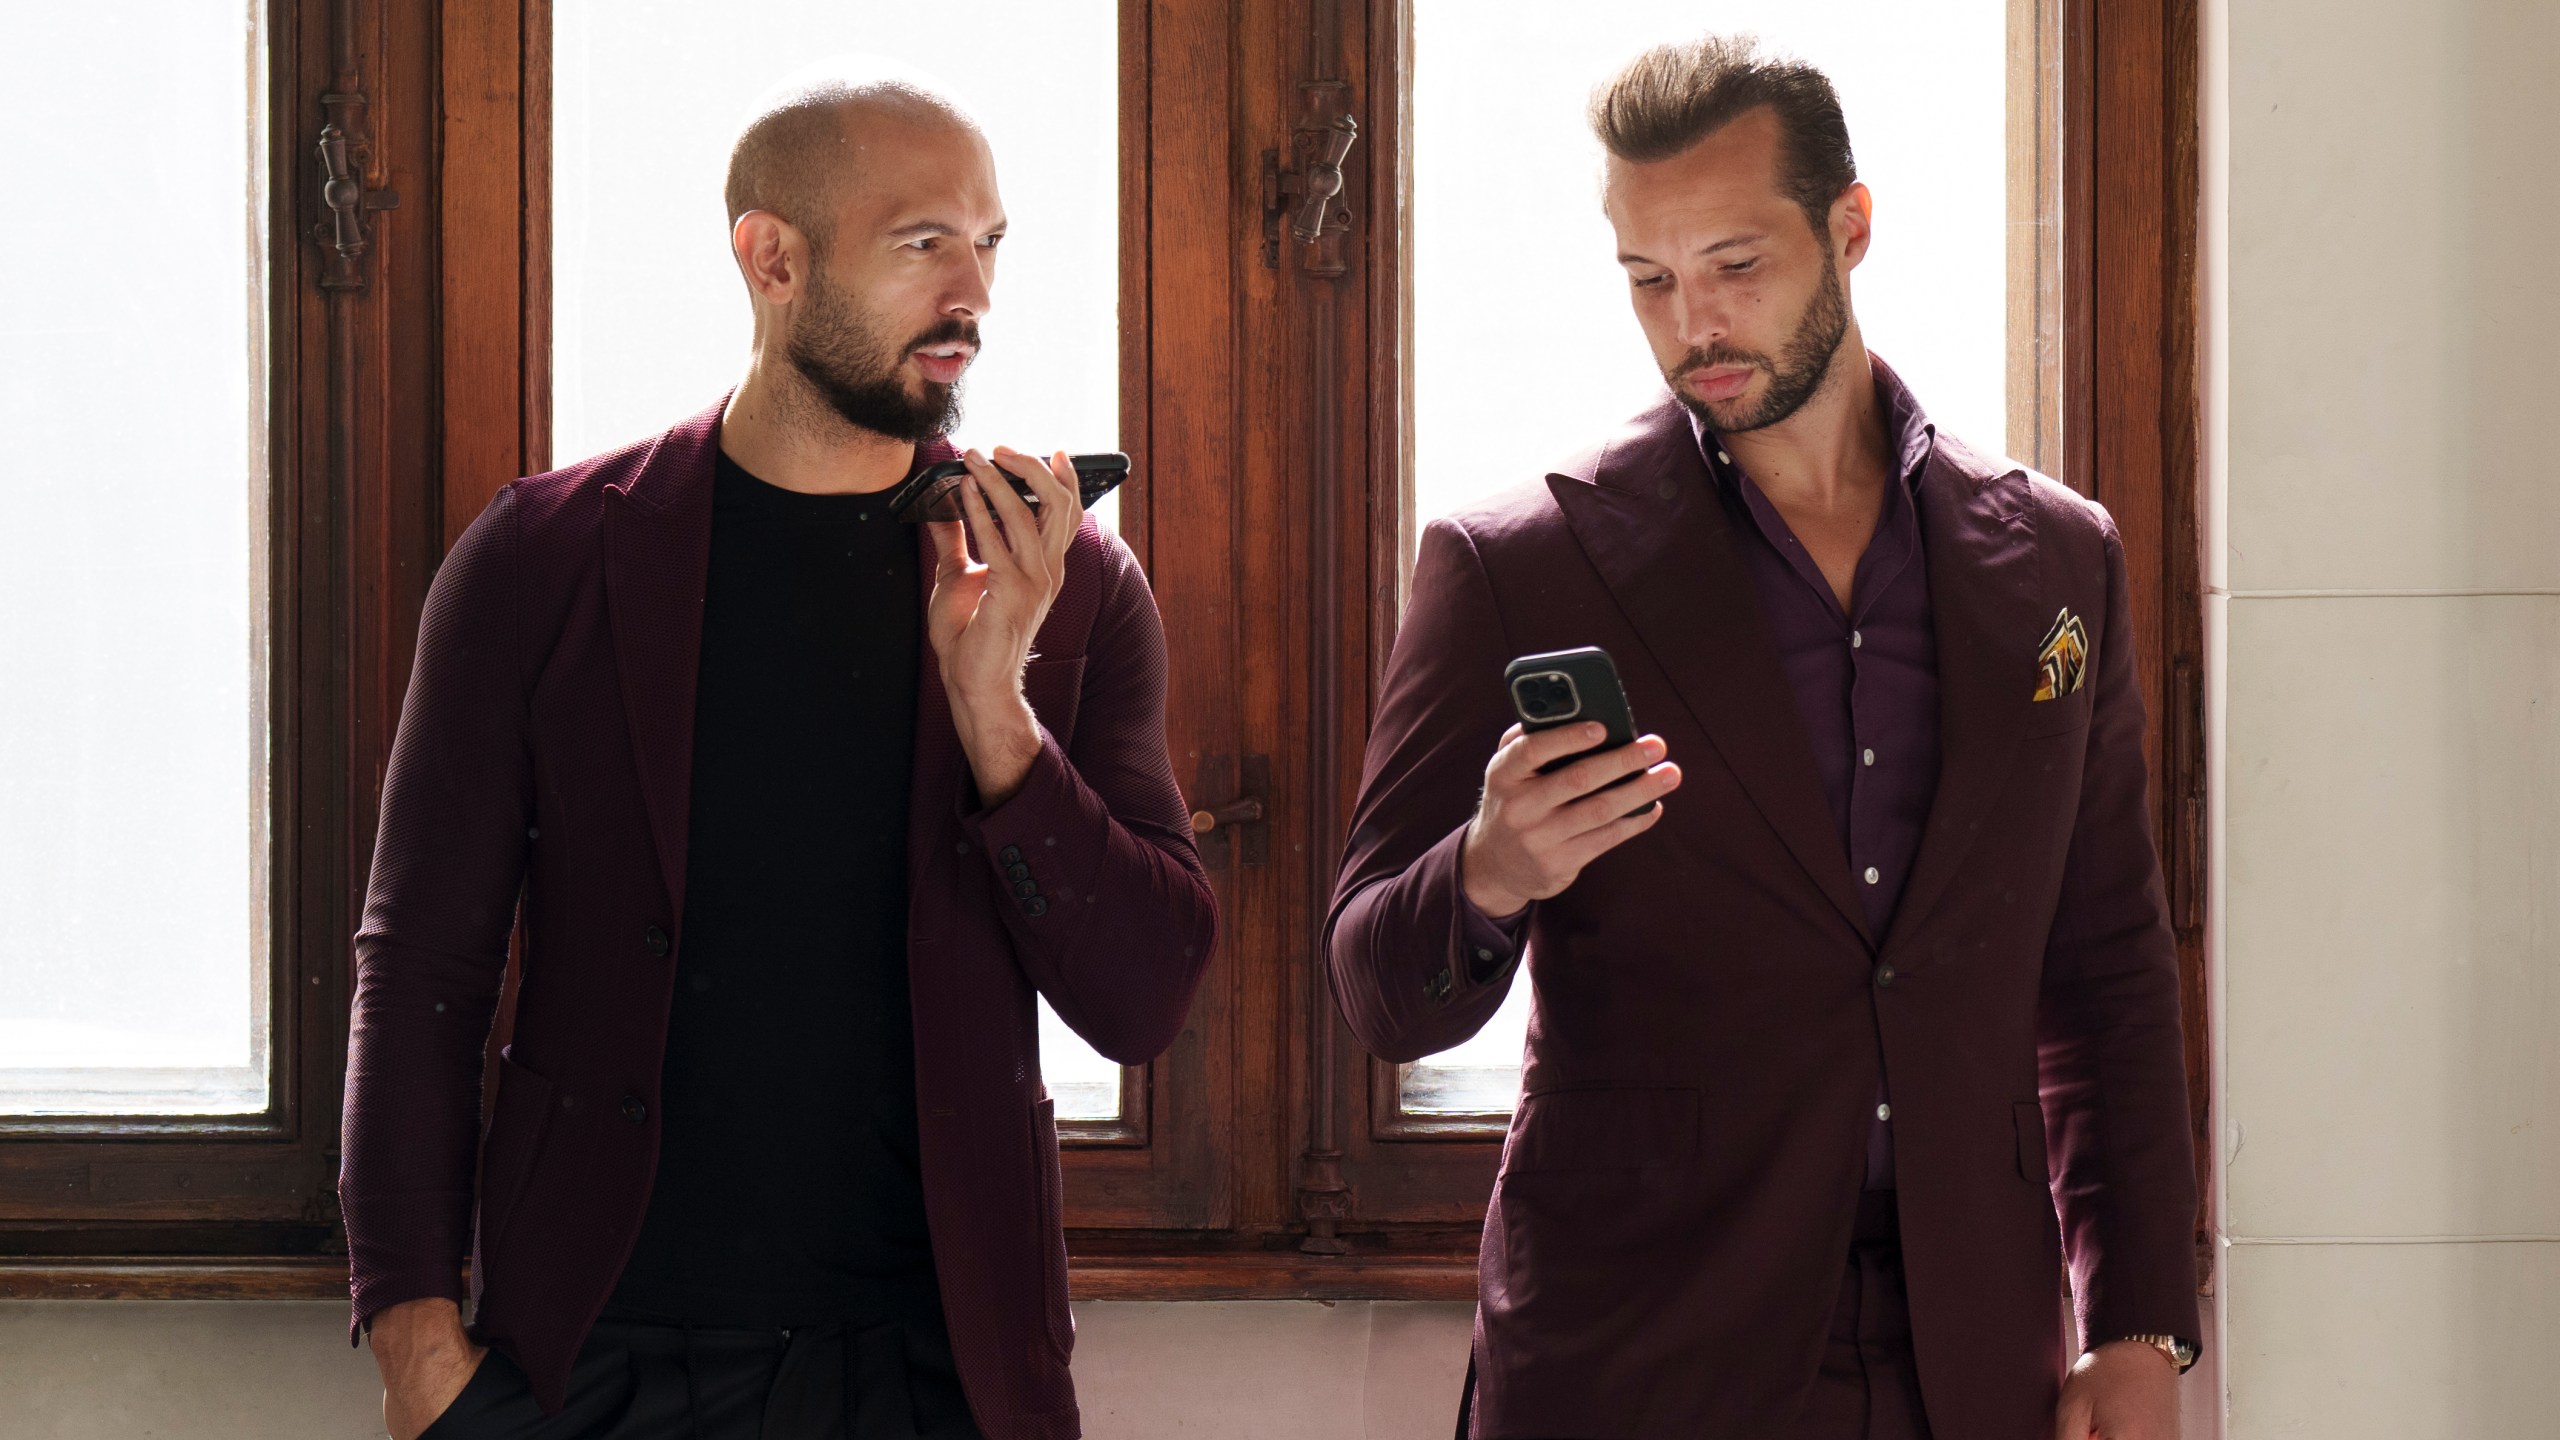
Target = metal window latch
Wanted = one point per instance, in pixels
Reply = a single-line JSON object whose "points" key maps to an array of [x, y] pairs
{"points": [[1310, 196], [1233, 830], [342, 235]]}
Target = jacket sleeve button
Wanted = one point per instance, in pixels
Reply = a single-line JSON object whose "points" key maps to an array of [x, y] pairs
{"points": [[1035, 906], [1010, 853]]}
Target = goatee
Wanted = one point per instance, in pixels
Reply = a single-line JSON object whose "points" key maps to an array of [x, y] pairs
{"points": [[839, 350], [1793, 377]]}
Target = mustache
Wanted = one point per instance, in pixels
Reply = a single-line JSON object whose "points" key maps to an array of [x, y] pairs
{"points": [[1722, 355], [948, 332]]}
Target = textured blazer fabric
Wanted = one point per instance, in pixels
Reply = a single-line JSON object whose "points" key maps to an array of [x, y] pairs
{"points": [[543, 760], [1681, 1178]]}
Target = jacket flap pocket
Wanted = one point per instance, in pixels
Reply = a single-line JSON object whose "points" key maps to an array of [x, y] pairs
{"points": [[2029, 1118], [1604, 1129]]}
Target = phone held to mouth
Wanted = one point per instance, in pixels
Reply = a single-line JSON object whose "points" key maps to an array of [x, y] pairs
{"points": [[934, 492], [1565, 686]]}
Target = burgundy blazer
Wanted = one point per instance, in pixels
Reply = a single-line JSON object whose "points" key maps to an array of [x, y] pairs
{"points": [[1674, 1208], [544, 757]]}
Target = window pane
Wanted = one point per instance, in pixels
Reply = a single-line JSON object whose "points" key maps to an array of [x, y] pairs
{"points": [[650, 319], [132, 611], [1513, 261]]}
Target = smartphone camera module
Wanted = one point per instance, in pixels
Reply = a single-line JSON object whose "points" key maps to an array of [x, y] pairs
{"points": [[1547, 696]]}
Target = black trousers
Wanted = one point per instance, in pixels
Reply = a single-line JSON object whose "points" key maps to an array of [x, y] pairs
{"points": [[1869, 1385], [640, 1380]]}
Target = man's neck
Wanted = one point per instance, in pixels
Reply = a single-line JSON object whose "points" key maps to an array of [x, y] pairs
{"points": [[780, 430], [1830, 457]]}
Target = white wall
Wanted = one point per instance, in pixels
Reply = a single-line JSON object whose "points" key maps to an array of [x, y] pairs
{"points": [[2385, 564]]}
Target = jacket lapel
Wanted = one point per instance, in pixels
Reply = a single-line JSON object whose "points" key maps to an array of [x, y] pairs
{"points": [[933, 786], [1986, 592], [1645, 510], [657, 563]]}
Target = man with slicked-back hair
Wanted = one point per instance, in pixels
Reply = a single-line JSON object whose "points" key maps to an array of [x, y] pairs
{"points": [[1843, 1048], [801, 810]]}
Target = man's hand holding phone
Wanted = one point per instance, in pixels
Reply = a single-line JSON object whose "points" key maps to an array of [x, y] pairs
{"points": [[1532, 833]]}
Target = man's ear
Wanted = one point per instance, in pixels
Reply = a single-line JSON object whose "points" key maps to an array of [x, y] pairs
{"points": [[1853, 219], [772, 254]]}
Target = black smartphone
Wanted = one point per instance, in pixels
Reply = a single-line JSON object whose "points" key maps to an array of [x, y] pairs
{"points": [[1570, 686], [934, 493]]}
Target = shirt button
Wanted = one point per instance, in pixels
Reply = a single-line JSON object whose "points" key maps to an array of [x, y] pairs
{"points": [[1884, 1112], [634, 1109], [1868, 756], [656, 940], [1483, 954], [1884, 975], [1723, 459], [1856, 639], [1872, 876]]}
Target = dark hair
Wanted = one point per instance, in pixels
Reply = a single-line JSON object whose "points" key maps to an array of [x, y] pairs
{"points": [[1677, 94]]}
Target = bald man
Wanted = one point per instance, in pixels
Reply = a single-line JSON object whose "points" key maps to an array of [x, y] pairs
{"points": [[796, 827]]}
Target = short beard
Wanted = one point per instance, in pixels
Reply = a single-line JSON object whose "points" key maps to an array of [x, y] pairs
{"points": [[1797, 373], [838, 349]]}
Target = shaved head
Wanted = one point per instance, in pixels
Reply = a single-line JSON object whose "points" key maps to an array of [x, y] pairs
{"points": [[802, 147]]}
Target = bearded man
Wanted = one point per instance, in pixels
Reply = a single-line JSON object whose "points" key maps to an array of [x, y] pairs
{"points": [[1838, 1050], [799, 807]]}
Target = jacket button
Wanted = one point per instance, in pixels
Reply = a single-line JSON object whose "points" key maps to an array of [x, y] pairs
{"points": [[1884, 975], [1017, 871], [1035, 906], [634, 1110], [656, 940], [1009, 854], [1025, 887]]}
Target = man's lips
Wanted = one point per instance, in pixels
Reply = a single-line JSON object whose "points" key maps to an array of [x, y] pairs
{"points": [[1720, 382], [942, 364]]}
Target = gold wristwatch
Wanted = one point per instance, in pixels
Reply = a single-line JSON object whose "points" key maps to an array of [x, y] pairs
{"points": [[2180, 1352]]}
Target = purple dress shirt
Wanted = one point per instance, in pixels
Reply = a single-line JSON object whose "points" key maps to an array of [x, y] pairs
{"points": [[1866, 682]]}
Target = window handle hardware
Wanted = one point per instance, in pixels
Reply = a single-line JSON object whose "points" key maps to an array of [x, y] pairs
{"points": [[1233, 813], [1235, 830], [1309, 197], [342, 190]]}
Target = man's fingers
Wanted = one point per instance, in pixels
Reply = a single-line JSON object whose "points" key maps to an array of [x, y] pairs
{"points": [[1538, 748], [1591, 844], [993, 550], [1006, 503], [1591, 772], [950, 545], [1598, 809]]}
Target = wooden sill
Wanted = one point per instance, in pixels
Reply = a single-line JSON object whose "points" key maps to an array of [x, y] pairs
{"points": [[1121, 1272]]}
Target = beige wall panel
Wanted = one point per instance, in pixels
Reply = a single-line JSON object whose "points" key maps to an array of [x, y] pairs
{"points": [[2393, 1342], [2392, 917], [2391, 294], [128, 1370]]}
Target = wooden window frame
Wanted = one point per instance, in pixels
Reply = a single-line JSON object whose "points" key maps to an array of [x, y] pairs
{"points": [[1264, 395]]}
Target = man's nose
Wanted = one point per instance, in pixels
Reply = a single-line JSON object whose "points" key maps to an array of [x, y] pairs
{"points": [[972, 291], [1701, 321]]}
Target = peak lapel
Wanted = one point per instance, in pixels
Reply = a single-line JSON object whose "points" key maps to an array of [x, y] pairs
{"points": [[1648, 516], [657, 564], [1986, 591]]}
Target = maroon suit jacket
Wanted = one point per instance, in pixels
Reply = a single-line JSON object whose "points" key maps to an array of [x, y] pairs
{"points": [[545, 751], [1674, 1209]]}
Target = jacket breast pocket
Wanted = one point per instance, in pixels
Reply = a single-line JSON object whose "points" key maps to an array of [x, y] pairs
{"points": [[2060, 715], [1053, 687]]}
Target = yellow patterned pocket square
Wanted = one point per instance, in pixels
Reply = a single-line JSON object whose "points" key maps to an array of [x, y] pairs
{"points": [[2062, 661]]}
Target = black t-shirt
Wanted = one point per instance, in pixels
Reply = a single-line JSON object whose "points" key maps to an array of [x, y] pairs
{"points": [[787, 1190]]}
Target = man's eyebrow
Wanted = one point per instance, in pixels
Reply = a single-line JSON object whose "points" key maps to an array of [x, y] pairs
{"points": [[1629, 257], [917, 230]]}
